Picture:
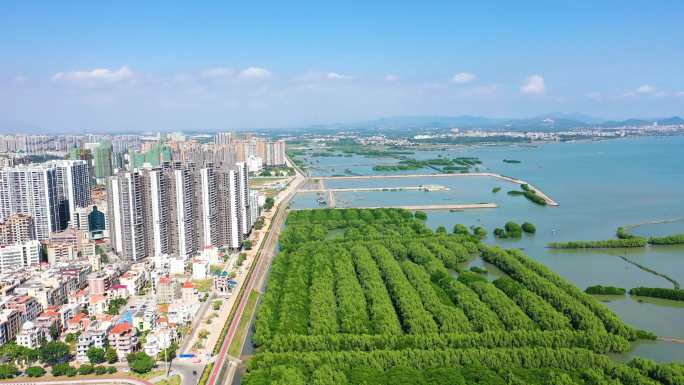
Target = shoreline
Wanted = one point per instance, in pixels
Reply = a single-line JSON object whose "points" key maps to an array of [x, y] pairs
{"points": [[547, 199], [466, 206]]}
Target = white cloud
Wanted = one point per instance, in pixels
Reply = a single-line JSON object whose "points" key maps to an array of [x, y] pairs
{"points": [[391, 78], [217, 72], [645, 89], [317, 77], [534, 85], [336, 76], [463, 77], [19, 79], [98, 74], [680, 93], [255, 73]]}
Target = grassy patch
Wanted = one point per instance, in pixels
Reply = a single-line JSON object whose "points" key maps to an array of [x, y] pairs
{"points": [[148, 375], [256, 182], [173, 380], [243, 326], [203, 285]]}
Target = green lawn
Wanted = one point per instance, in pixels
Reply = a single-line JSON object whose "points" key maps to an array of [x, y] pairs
{"points": [[173, 380]]}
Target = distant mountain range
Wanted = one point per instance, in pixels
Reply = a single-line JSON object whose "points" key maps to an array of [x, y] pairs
{"points": [[556, 121], [547, 122]]}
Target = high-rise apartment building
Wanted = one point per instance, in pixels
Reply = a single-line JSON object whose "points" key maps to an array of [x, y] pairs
{"points": [[31, 190], [274, 153], [209, 207], [102, 159], [243, 192], [184, 208], [73, 188], [159, 216], [223, 138], [50, 193], [126, 200], [229, 207]]}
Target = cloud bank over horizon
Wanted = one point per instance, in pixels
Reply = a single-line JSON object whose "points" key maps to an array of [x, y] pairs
{"points": [[123, 98], [223, 66]]}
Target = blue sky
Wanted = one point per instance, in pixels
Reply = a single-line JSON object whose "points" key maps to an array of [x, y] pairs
{"points": [[219, 65]]}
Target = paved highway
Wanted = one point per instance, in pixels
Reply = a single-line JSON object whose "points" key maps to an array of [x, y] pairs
{"points": [[256, 281]]}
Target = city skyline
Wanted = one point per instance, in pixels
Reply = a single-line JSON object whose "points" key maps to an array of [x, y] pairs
{"points": [[143, 67]]}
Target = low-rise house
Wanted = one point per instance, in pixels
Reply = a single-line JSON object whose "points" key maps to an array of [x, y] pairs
{"points": [[27, 306], [81, 275], [134, 280], [50, 319], [123, 338], [118, 291], [95, 261], [176, 266], [189, 292], [99, 283], [168, 290], [78, 323], [19, 255], [61, 252], [200, 268], [80, 298], [96, 335], [224, 285], [31, 335], [88, 251], [181, 313], [10, 323], [159, 340], [97, 304], [66, 312]]}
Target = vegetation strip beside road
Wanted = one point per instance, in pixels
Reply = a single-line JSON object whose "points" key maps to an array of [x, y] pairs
{"points": [[207, 373], [224, 331], [243, 326], [240, 294]]}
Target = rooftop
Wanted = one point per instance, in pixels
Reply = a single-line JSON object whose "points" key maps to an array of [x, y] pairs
{"points": [[121, 328]]}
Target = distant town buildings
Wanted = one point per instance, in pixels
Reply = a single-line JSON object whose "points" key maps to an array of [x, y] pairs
{"points": [[88, 223]]}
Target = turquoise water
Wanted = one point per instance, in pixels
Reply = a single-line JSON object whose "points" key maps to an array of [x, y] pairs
{"points": [[599, 185]]}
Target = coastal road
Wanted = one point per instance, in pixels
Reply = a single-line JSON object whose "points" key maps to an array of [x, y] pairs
{"points": [[256, 281]]}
